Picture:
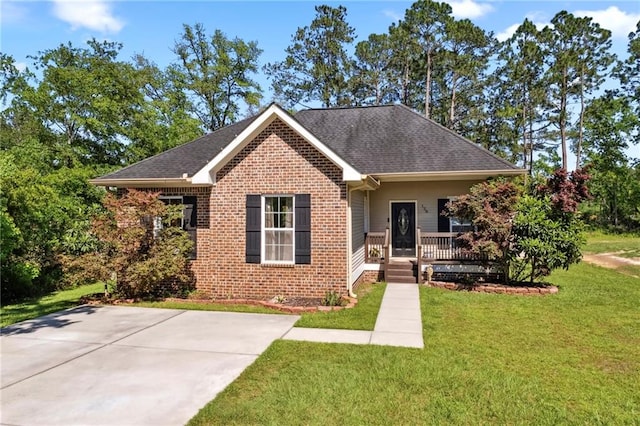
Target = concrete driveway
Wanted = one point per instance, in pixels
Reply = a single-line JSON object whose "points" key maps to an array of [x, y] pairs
{"points": [[109, 365]]}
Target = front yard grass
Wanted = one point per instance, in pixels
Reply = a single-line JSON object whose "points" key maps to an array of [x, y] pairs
{"points": [[599, 242], [361, 317], [570, 358], [53, 302]]}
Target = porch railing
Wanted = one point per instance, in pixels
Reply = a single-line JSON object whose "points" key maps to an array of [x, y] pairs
{"points": [[432, 246], [374, 247]]}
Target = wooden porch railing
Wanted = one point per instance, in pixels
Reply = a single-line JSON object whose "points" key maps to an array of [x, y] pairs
{"points": [[442, 246], [432, 246], [374, 247]]}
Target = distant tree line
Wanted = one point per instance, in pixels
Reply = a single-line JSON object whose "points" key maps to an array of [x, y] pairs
{"points": [[79, 112]]}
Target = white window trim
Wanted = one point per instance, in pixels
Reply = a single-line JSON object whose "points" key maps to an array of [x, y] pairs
{"points": [[263, 239]]}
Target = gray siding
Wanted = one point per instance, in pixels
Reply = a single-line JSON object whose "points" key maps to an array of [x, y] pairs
{"points": [[357, 232]]}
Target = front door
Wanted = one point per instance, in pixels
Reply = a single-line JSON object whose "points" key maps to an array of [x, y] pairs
{"points": [[403, 229]]}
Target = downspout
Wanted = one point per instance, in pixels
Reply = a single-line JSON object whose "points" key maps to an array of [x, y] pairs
{"points": [[349, 243]]}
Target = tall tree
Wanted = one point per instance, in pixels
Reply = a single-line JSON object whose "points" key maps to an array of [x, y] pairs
{"points": [[628, 72], [610, 127], [577, 55], [465, 58], [216, 73], [519, 80], [426, 21], [372, 81], [164, 121], [85, 99], [317, 66]]}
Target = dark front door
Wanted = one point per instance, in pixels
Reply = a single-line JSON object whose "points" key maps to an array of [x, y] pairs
{"points": [[403, 229]]}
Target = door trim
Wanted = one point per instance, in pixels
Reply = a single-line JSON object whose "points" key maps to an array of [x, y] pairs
{"points": [[415, 230]]}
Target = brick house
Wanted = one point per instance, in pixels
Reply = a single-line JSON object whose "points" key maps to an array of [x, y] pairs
{"points": [[298, 205]]}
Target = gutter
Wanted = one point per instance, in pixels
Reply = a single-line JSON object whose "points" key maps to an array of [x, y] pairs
{"points": [[145, 183], [450, 175]]}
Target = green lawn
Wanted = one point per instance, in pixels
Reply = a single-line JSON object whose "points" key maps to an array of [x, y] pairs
{"points": [[54, 302], [361, 317], [598, 242], [570, 358]]}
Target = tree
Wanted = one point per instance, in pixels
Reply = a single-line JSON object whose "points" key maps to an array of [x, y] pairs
{"points": [[576, 50], [317, 66], [610, 128], [146, 260], [465, 58], [530, 234], [520, 87], [628, 72], [426, 21], [216, 74], [86, 98], [164, 121], [490, 207], [372, 83]]}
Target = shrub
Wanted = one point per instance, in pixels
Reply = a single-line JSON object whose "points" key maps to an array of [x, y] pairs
{"points": [[332, 298], [145, 260]]}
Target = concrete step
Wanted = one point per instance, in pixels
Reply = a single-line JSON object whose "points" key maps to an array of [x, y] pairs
{"points": [[401, 272], [403, 279]]}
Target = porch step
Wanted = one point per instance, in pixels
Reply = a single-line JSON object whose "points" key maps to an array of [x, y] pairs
{"points": [[401, 272]]}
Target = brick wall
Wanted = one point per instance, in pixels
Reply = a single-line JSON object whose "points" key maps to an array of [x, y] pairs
{"points": [[277, 161]]}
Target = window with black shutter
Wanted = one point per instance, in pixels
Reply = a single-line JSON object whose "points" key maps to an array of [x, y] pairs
{"points": [[278, 229], [189, 220]]}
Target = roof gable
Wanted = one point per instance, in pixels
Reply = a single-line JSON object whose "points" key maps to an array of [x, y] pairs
{"points": [[206, 175]]}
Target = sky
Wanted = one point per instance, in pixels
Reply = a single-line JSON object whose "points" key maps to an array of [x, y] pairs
{"points": [[151, 27]]}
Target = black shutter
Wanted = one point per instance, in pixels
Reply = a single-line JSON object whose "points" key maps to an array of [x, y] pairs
{"points": [[190, 221], [303, 228], [253, 228], [443, 221]]}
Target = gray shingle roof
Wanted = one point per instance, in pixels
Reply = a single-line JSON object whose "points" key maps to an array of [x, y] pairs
{"points": [[394, 139], [374, 140], [187, 158]]}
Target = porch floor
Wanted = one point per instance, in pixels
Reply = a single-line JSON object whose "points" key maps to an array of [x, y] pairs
{"points": [[399, 323]]}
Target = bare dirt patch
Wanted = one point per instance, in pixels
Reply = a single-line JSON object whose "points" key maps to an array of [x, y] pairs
{"points": [[611, 260]]}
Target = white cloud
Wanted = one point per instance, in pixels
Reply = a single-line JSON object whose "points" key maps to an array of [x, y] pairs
{"points": [[620, 23], [20, 66], [12, 13], [470, 9], [395, 16], [91, 14], [509, 31]]}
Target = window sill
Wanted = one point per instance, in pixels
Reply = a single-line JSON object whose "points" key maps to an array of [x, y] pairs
{"points": [[277, 265]]}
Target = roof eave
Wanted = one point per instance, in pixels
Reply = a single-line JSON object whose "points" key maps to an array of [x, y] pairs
{"points": [[145, 182], [446, 175]]}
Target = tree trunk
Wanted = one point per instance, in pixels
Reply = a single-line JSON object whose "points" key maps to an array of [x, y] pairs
{"points": [[580, 130], [452, 107], [562, 122], [427, 90]]}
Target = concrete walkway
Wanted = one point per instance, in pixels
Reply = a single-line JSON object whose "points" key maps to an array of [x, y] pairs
{"points": [[399, 323]]}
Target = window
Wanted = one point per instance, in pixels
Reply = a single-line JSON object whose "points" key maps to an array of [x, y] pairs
{"points": [[188, 221], [278, 229], [460, 225], [453, 224]]}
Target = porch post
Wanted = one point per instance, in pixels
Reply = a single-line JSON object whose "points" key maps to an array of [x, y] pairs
{"points": [[419, 255], [386, 252]]}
